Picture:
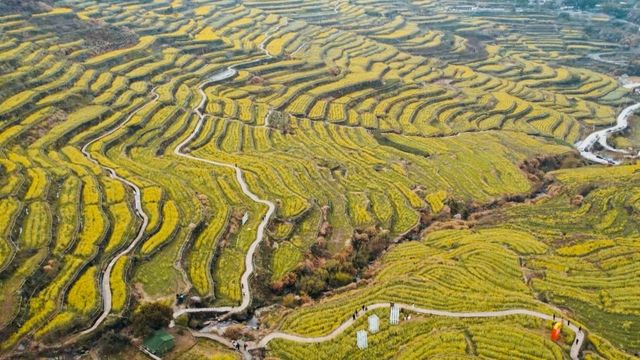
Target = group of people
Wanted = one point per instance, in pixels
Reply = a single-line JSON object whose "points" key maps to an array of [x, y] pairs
{"points": [[355, 313], [569, 324], [237, 345]]}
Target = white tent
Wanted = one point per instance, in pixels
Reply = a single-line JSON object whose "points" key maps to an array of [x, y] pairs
{"points": [[374, 324], [361, 337], [394, 317]]}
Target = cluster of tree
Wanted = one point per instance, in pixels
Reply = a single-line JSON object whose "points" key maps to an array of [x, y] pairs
{"points": [[616, 34], [615, 10], [144, 320], [28, 6], [633, 68], [113, 343], [581, 4], [280, 121], [321, 271], [150, 317], [634, 15], [458, 208]]}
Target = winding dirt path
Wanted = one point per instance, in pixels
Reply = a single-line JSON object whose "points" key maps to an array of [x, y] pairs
{"points": [[622, 122], [222, 75], [249, 268], [574, 353], [599, 57], [585, 146], [106, 275]]}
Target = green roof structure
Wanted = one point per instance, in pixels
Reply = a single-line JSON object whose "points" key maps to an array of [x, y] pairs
{"points": [[160, 343]]}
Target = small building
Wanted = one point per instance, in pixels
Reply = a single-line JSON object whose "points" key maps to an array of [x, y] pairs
{"points": [[374, 324], [160, 343], [361, 339], [462, 8]]}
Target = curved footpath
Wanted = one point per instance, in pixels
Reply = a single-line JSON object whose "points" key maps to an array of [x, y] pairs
{"points": [[199, 109], [246, 295], [574, 352], [601, 136], [106, 275], [622, 122], [575, 347], [599, 57]]}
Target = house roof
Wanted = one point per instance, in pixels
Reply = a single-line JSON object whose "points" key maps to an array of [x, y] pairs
{"points": [[160, 342]]}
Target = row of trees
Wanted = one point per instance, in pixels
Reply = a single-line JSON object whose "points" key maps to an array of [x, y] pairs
{"points": [[617, 9]]}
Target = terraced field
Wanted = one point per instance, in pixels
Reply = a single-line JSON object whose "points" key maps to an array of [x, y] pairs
{"points": [[246, 152], [554, 256]]}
